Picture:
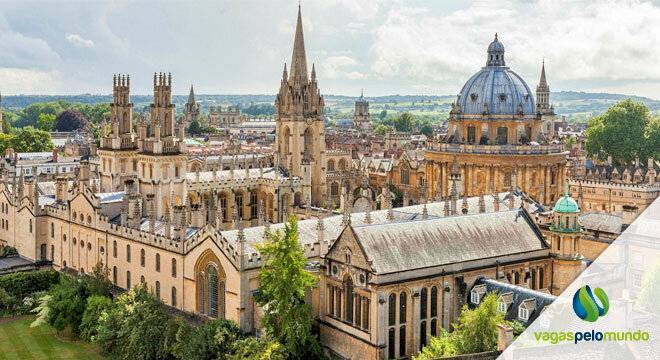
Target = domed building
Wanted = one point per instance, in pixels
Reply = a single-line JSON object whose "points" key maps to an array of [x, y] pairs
{"points": [[500, 136]]}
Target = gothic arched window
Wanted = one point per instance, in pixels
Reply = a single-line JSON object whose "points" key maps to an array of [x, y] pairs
{"points": [[212, 288], [309, 145], [348, 292]]}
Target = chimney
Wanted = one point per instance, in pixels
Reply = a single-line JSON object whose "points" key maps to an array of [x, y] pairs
{"points": [[61, 184], [54, 154], [504, 336]]}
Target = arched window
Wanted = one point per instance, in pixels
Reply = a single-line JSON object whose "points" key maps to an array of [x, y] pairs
{"points": [[158, 262], [143, 259], [128, 280], [422, 334], [142, 279], [348, 292], [114, 275], [392, 310], [158, 289], [202, 294], [434, 302], [540, 278], [212, 288], [402, 307], [173, 267], [52, 253], [331, 165], [342, 165], [309, 145], [128, 253], [52, 229], [516, 278], [173, 296], [114, 248], [43, 254], [423, 303]]}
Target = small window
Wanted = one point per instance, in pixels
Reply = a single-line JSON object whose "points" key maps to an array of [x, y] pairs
{"points": [[128, 280], [523, 313], [158, 262], [142, 258], [475, 298], [501, 306], [173, 296], [158, 289], [128, 253], [173, 267]]}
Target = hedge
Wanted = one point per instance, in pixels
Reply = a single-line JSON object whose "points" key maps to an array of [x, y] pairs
{"points": [[21, 284]]}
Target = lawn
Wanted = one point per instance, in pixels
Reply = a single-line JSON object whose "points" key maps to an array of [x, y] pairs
{"points": [[19, 341]]}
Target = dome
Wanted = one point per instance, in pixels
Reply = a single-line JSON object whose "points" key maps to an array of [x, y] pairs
{"points": [[496, 89], [496, 46], [566, 204]]}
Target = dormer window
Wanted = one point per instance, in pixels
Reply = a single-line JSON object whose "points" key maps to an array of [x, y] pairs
{"points": [[523, 313], [477, 293], [502, 307], [525, 308], [504, 301]]}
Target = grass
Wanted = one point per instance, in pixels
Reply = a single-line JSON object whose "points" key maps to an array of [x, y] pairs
{"points": [[19, 341]]}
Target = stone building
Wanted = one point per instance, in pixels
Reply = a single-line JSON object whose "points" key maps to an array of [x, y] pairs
{"points": [[299, 120], [361, 116], [225, 117], [496, 133], [625, 191]]}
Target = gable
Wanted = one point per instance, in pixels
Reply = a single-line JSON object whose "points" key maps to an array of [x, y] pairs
{"points": [[347, 244]]}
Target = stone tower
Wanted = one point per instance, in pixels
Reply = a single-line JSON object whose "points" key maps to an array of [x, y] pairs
{"points": [[543, 106], [162, 161], [565, 233], [299, 121], [361, 117], [118, 150], [191, 110]]}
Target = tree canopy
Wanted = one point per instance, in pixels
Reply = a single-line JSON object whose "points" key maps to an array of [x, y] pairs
{"points": [[27, 139], [476, 331], [625, 131], [284, 282], [70, 120]]}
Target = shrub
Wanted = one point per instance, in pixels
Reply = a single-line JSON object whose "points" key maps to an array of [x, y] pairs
{"points": [[262, 349], [24, 283], [8, 302], [67, 304], [96, 305], [136, 316], [213, 340], [7, 251]]}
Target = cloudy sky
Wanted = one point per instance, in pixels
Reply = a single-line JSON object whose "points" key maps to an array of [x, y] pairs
{"points": [[385, 47]]}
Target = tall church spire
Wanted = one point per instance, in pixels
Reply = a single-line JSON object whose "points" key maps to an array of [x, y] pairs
{"points": [[191, 96], [298, 58], [542, 82]]}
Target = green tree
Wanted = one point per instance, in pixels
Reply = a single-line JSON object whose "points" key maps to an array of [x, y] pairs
{"points": [[381, 129], [136, 327], [404, 122], [263, 348], [475, 332], [194, 128], [95, 306], [46, 122], [212, 340], [382, 115], [625, 131], [67, 304], [283, 284], [570, 142], [427, 130], [6, 141], [70, 120], [97, 282], [29, 139]]}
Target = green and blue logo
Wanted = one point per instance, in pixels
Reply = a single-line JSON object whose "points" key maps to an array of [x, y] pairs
{"points": [[585, 305]]}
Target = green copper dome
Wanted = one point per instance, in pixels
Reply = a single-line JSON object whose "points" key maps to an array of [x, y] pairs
{"points": [[566, 204]]}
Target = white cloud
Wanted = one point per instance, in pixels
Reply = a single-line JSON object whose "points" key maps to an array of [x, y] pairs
{"points": [[27, 81], [588, 41], [78, 40], [340, 66]]}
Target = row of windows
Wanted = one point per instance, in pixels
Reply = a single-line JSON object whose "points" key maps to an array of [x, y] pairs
{"points": [[173, 299], [81, 218], [143, 258], [5, 208], [355, 310]]}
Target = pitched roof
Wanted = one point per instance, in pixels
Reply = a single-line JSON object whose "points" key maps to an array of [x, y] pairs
{"points": [[426, 243]]}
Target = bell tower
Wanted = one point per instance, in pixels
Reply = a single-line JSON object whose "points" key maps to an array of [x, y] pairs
{"points": [[361, 116], [299, 121], [543, 107], [118, 151]]}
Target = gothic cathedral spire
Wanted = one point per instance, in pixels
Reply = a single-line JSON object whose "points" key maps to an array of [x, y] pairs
{"points": [[298, 71]]}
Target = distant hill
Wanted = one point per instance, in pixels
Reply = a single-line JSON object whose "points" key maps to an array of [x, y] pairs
{"points": [[576, 105]]}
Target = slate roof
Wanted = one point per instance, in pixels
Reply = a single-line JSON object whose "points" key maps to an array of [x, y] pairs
{"points": [[597, 221], [519, 295], [433, 242]]}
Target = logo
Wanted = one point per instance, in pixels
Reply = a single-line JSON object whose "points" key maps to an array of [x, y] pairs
{"points": [[585, 305]]}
